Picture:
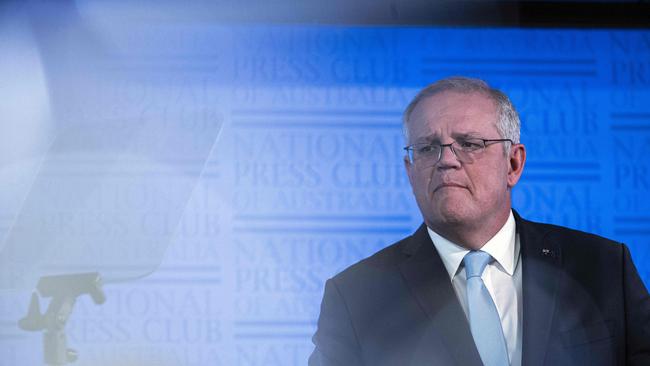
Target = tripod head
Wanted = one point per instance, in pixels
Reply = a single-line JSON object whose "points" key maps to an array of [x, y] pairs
{"points": [[64, 290]]}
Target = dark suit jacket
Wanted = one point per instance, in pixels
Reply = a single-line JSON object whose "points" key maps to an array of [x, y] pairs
{"points": [[583, 304]]}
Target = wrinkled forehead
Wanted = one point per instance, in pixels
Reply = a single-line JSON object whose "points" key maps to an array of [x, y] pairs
{"points": [[453, 115]]}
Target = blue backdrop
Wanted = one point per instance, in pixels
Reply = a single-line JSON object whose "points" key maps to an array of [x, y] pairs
{"points": [[307, 177]]}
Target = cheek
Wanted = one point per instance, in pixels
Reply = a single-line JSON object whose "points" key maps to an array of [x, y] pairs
{"points": [[490, 186], [423, 184]]}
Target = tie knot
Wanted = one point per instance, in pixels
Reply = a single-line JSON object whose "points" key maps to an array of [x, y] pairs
{"points": [[475, 262]]}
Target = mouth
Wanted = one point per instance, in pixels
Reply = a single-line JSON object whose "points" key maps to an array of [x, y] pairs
{"points": [[449, 185]]}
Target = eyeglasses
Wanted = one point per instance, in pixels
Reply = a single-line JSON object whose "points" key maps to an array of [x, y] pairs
{"points": [[466, 150]]}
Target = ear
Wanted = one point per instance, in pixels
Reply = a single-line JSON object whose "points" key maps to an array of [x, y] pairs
{"points": [[516, 161]]}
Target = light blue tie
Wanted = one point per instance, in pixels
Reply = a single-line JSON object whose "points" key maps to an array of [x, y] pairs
{"points": [[483, 315]]}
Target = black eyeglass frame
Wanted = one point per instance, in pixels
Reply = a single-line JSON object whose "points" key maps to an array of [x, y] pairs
{"points": [[486, 143]]}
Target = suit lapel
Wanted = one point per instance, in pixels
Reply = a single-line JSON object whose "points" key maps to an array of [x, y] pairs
{"points": [[540, 275], [428, 281]]}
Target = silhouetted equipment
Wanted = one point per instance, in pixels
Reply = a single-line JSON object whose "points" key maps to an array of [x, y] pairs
{"points": [[64, 290]]}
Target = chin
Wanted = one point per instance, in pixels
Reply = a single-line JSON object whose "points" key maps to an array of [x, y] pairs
{"points": [[453, 215]]}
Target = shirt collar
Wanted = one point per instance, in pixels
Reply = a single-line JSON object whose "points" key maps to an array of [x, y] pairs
{"points": [[501, 247]]}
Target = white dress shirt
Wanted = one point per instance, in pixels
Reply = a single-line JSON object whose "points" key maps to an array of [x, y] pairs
{"points": [[502, 278]]}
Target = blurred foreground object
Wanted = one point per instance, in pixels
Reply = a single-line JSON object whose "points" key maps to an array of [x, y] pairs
{"points": [[63, 290]]}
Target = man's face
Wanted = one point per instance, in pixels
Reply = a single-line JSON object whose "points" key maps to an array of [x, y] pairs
{"points": [[459, 194]]}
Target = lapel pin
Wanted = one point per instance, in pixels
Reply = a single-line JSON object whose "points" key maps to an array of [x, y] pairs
{"points": [[548, 253]]}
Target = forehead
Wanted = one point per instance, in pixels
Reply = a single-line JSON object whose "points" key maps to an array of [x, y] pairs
{"points": [[452, 113]]}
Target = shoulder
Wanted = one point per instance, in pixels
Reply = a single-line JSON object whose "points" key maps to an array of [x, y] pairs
{"points": [[572, 242], [383, 261], [382, 266], [550, 231]]}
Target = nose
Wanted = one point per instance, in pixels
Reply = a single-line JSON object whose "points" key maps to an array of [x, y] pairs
{"points": [[448, 159]]}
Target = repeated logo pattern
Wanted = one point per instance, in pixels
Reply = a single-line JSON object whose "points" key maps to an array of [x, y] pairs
{"points": [[307, 176]]}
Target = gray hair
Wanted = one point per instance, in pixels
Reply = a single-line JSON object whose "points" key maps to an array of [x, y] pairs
{"points": [[508, 123]]}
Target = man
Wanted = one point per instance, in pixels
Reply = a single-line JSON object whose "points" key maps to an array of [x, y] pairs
{"points": [[477, 284]]}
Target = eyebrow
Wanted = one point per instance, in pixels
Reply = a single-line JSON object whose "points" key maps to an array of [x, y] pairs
{"points": [[468, 134], [455, 136]]}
